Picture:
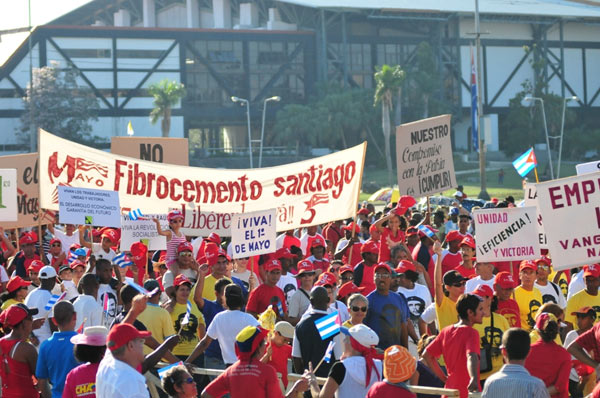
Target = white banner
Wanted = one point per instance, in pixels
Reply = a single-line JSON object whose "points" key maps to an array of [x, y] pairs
{"points": [[143, 230], [253, 233], [8, 195], [506, 234], [85, 206], [305, 193], [424, 157], [590, 167], [571, 211], [530, 200]]}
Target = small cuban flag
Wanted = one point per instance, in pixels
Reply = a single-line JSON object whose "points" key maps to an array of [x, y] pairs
{"points": [[122, 260], [280, 308], [72, 257], [105, 303], [53, 300], [141, 288], [525, 163], [188, 312], [329, 325], [129, 129], [135, 215], [328, 352], [426, 230], [163, 371]]}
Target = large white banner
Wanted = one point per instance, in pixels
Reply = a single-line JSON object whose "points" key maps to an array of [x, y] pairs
{"points": [[8, 195], [305, 193], [590, 167], [530, 200], [253, 233], [506, 234], [424, 157], [571, 211]]}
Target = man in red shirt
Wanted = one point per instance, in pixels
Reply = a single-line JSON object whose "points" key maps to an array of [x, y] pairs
{"points": [[365, 270], [343, 251], [317, 250], [375, 234], [467, 249], [412, 238], [588, 341], [333, 232], [452, 257], [268, 293], [459, 343], [504, 285], [249, 376]]}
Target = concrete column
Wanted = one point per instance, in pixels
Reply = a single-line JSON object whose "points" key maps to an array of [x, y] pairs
{"points": [[122, 18], [149, 13], [222, 14], [193, 13], [249, 15]]}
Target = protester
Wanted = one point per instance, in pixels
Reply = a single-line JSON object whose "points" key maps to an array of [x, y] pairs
{"points": [[588, 296], [185, 264], [485, 276], [399, 366], [178, 383], [89, 312], [65, 274], [329, 282], [467, 249], [268, 293], [452, 257], [156, 319], [108, 287], [39, 298], [300, 300], [33, 272], [425, 376], [454, 283], [357, 306], [101, 250], [504, 285], [393, 232], [513, 380], [586, 347], [16, 292], [174, 238], [365, 270], [348, 249], [527, 296], [78, 269], [333, 232], [550, 291], [581, 380], [90, 347], [286, 282], [241, 271], [279, 350], [307, 238]]}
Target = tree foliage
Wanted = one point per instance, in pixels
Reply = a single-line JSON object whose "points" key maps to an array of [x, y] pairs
{"points": [[56, 103], [166, 94]]}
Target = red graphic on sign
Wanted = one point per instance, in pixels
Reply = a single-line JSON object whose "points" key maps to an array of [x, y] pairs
{"points": [[316, 199]]}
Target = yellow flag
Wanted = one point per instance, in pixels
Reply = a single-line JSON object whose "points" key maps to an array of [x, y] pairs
{"points": [[129, 128]]}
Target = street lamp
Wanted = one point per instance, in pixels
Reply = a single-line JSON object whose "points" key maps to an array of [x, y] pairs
{"points": [[562, 130], [262, 132], [546, 130], [247, 104]]}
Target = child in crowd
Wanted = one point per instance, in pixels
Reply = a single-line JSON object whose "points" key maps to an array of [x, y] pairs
{"points": [[174, 238], [279, 349]]}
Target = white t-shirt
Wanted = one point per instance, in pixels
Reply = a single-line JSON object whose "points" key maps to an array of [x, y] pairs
{"points": [[103, 290], [289, 285], [66, 240], [418, 299], [429, 315], [244, 277], [224, 328], [577, 284], [3, 274], [116, 379], [552, 293], [99, 253], [298, 303], [38, 298], [472, 284], [71, 290], [86, 307], [168, 279]]}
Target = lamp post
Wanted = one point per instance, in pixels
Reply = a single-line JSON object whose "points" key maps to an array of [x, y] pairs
{"points": [[546, 130], [562, 130], [247, 104], [262, 131]]}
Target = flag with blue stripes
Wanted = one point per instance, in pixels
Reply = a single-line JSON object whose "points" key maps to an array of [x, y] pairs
{"points": [[122, 260], [188, 312], [328, 352], [525, 163], [426, 230], [53, 300], [72, 257], [280, 308], [141, 289], [328, 325], [162, 372], [135, 215], [474, 109]]}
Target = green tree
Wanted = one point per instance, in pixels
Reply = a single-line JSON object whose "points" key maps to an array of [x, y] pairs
{"points": [[389, 80], [56, 103], [166, 94]]}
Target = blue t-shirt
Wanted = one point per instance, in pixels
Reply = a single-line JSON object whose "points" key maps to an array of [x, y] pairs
{"points": [[210, 309], [385, 316], [55, 360]]}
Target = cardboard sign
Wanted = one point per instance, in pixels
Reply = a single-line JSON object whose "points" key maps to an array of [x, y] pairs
{"points": [[85, 206], [153, 149], [143, 230], [8, 195], [424, 157], [506, 234], [27, 191], [253, 233], [306, 193], [530, 200], [571, 211], [590, 167]]}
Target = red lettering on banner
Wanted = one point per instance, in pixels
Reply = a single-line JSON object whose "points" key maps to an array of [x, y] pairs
{"points": [[161, 181], [118, 173], [221, 188], [174, 197], [575, 194], [187, 187]]}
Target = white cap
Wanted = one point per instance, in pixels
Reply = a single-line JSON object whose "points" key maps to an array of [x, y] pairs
{"points": [[47, 272], [285, 329], [363, 334], [458, 193]]}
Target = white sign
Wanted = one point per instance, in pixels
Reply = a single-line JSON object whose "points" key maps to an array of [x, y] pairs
{"points": [[424, 157], [8, 195], [85, 206], [571, 211], [531, 201], [506, 234], [590, 167], [253, 233], [143, 230]]}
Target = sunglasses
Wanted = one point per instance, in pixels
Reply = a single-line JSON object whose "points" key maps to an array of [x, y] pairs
{"points": [[186, 254], [189, 380], [382, 276], [544, 267], [348, 278], [56, 245], [356, 309], [176, 221], [459, 284]]}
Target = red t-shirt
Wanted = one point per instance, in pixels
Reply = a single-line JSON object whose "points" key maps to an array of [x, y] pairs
{"points": [[382, 389], [289, 241], [466, 272], [263, 296], [244, 379], [590, 341], [384, 249], [551, 363], [81, 382], [510, 310], [356, 256], [322, 264], [455, 343], [504, 266], [451, 261], [279, 360], [332, 233]]}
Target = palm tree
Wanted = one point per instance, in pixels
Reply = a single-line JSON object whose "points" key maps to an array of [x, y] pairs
{"points": [[166, 94], [389, 80]]}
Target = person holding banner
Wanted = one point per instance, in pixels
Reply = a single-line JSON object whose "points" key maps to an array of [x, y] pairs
{"points": [[588, 296], [528, 297]]}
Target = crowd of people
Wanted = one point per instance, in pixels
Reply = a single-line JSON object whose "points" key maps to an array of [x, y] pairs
{"points": [[364, 307]]}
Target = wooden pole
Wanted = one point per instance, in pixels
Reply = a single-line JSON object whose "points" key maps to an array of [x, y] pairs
{"points": [[17, 239], [536, 175], [512, 275]]}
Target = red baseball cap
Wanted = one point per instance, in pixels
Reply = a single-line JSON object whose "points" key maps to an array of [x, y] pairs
{"points": [[223, 253], [55, 240], [350, 226], [139, 253], [111, 234], [214, 238], [76, 264], [369, 247], [272, 265], [468, 241], [585, 311], [384, 266], [407, 201], [36, 265], [327, 279], [15, 283], [14, 314], [345, 268], [305, 267], [74, 246], [347, 289], [211, 253], [185, 247], [527, 264], [123, 333], [317, 242], [454, 235], [405, 265], [591, 270], [27, 238], [412, 231], [483, 291], [372, 228], [364, 211], [174, 214], [284, 252], [505, 280], [181, 279], [544, 260]]}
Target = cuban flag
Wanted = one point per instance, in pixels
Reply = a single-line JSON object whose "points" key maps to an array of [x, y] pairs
{"points": [[122, 260], [328, 352], [135, 215], [163, 371], [280, 308], [474, 119], [141, 288], [329, 325], [525, 163], [53, 300], [72, 257], [188, 312], [105, 303], [426, 230]]}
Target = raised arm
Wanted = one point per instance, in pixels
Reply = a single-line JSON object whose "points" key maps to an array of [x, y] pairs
{"points": [[159, 229], [437, 274], [10, 249], [82, 240]]}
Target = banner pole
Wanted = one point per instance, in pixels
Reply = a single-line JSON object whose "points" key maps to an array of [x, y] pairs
{"points": [[17, 239], [512, 275], [362, 169], [42, 254], [536, 175]]}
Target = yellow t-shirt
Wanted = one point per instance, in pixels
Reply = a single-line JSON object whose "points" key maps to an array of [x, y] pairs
{"points": [[495, 338], [208, 292], [579, 300], [189, 332], [446, 313], [529, 303], [8, 303], [158, 321], [562, 282]]}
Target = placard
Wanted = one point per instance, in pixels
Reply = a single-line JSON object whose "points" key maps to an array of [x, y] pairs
{"points": [[154, 149], [253, 233], [506, 234], [530, 200], [424, 157], [8, 195], [590, 167], [143, 230], [85, 206], [571, 211]]}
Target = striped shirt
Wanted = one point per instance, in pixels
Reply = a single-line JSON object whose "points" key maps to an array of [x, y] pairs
{"points": [[514, 381]]}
